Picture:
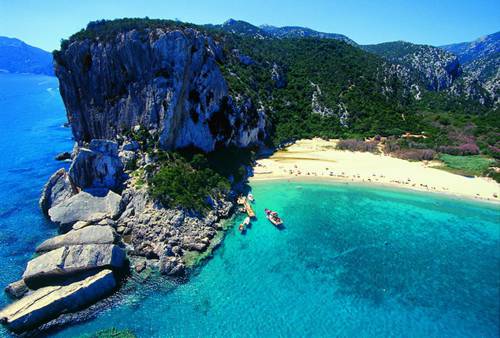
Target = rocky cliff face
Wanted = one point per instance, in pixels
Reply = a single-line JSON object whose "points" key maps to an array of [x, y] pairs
{"points": [[436, 68], [481, 63], [167, 81]]}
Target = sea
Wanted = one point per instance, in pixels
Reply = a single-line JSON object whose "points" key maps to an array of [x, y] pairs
{"points": [[351, 261]]}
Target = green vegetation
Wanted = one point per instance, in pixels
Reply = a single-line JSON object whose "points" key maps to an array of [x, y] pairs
{"points": [[353, 84], [466, 165], [179, 183], [189, 179]]}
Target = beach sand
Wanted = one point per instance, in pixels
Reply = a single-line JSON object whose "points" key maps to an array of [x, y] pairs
{"points": [[318, 158]]}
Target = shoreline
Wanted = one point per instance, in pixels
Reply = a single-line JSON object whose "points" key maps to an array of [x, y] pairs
{"points": [[318, 160], [374, 185]]}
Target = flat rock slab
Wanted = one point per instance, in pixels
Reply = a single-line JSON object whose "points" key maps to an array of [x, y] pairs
{"points": [[92, 234], [48, 303], [85, 207], [69, 261]]}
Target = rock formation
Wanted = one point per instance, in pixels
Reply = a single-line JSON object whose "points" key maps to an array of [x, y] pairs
{"points": [[168, 81], [49, 302], [69, 261], [58, 188], [85, 207], [97, 166], [92, 234]]}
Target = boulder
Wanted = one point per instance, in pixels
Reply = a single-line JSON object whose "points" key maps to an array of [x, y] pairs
{"points": [[85, 207], [49, 302], [57, 189], [172, 266], [98, 166], [92, 234], [16, 289], [70, 261]]}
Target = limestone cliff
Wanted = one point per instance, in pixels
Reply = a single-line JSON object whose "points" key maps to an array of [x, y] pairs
{"points": [[166, 80]]}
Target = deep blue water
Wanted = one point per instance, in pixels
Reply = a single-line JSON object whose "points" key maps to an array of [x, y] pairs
{"points": [[31, 134], [352, 261]]}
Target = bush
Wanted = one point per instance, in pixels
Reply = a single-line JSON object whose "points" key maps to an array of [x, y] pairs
{"points": [[462, 150], [178, 184], [415, 154], [357, 145]]}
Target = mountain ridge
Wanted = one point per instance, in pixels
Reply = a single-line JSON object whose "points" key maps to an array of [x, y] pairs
{"points": [[16, 56]]}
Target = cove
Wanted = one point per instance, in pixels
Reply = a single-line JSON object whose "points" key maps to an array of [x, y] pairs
{"points": [[352, 261]]}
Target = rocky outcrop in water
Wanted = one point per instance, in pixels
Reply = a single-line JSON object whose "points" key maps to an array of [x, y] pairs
{"points": [[58, 265], [92, 234], [58, 188], [85, 207], [49, 302], [98, 166], [168, 81]]}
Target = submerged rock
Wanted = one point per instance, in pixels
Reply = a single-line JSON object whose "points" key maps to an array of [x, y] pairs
{"points": [[69, 261], [92, 234], [49, 302], [85, 207], [98, 166], [58, 188]]}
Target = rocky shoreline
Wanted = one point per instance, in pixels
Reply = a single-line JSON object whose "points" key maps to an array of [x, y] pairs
{"points": [[108, 227]]}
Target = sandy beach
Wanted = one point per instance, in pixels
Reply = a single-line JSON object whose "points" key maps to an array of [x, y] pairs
{"points": [[318, 158]]}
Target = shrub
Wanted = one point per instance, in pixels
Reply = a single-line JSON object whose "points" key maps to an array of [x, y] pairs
{"points": [[357, 145], [178, 184], [415, 154], [462, 150]]}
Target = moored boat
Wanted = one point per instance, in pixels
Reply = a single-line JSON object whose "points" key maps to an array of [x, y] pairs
{"points": [[273, 217], [242, 228], [250, 197]]}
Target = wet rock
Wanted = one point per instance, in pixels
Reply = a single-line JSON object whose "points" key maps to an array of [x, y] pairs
{"points": [[85, 207], [66, 262], [92, 234], [58, 188], [17, 289], [65, 155], [49, 302], [172, 266], [140, 266]]}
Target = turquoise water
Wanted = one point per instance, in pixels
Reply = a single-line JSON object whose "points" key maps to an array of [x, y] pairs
{"points": [[352, 260]]}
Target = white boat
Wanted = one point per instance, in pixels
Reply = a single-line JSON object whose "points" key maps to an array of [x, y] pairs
{"points": [[250, 198]]}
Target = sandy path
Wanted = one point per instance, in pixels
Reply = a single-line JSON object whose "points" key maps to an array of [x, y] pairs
{"points": [[318, 158]]}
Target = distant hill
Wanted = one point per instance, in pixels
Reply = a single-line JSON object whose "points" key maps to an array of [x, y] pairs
{"points": [[265, 31], [18, 57], [436, 68], [483, 47], [303, 32], [480, 60]]}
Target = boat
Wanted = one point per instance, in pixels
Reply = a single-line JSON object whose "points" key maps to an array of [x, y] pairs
{"points": [[273, 217], [242, 228], [250, 198], [246, 221]]}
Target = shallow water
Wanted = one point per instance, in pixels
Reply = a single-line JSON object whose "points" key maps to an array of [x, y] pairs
{"points": [[352, 260]]}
